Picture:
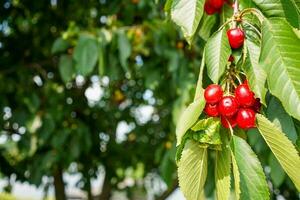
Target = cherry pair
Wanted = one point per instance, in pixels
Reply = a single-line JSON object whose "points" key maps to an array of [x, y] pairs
{"points": [[234, 110]]}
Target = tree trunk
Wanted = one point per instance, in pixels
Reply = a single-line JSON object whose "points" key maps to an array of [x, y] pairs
{"points": [[59, 184], [106, 189], [88, 187]]}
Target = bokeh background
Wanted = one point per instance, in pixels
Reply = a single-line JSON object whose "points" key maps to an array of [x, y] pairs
{"points": [[90, 92]]}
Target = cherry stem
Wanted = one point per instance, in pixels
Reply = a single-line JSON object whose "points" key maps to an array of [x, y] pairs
{"points": [[254, 11], [236, 7], [255, 29], [229, 21], [230, 127], [238, 78]]}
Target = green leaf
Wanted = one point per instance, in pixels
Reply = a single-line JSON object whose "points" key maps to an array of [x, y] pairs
{"points": [[187, 14], [280, 56], [254, 72], [253, 182], [86, 55], [292, 12], [124, 49], [207, 131], [223, 165], [168, 6], [66, 68], [188, 118], [281, 119], [206, 25], [59, 45], [236, 176], [217, 52], [226, 13], [192, 170], [277, 174], [282, 148], [280, 8], [167, 166], [199, 88]]}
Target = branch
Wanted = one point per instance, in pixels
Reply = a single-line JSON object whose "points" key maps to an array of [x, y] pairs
{"points": [[169, 191]]}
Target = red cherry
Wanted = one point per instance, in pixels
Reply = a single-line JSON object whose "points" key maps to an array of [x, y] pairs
{"points": [[257, 105], [209, 9], [246, 118], [228, 106], [244, 95], [236, 37], [217, 4], [228, 121], [211, 110], [213, 93]]}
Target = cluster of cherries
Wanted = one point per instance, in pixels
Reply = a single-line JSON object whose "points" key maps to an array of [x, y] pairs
{"points": [[213, 6], [238, 109]]}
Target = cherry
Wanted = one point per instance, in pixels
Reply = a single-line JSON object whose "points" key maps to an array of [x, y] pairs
{"points": [[213, 93], [209, 9], [246, 118], [211, 110], [231, 58], [217, 4], [228, 121], [244, 95], [236, 37], [228, 106], [257, 105]]}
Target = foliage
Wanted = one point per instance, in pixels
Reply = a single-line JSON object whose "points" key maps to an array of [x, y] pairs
{"points": [[269, 60], [54, 53]]}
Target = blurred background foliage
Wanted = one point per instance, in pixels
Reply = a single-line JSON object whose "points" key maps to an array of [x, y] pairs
{"points": [[95, 87]]}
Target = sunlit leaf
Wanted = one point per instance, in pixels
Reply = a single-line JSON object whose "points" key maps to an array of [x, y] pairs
{"points": [[282, 148], [188, 118], [236, 176], [217, 52], [192, 170], [255, 73], [280, 8], [280, 55], [207, 131], [253, 182], [187, 14], [223, 171]]}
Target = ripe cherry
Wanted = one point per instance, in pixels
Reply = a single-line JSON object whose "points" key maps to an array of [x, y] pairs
{"points": [[211, 110], [246, 118], [236, 37], [217, 4], [228, 121], [244, 95], [257, 105], [209, 9], [231, 58], [213, 93], [228, 106]]}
